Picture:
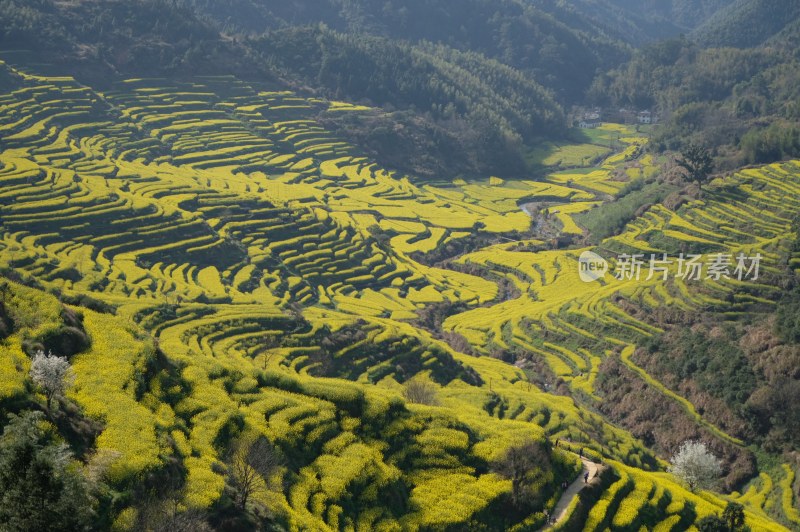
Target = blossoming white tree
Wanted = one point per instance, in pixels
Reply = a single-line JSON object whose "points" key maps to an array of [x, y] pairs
{"points": [[696, 465], [52, 373]]}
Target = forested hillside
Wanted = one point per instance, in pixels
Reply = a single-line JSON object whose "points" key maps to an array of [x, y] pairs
{"points": [[730, 85], [559, 46], [744, 103], [747, 23]]}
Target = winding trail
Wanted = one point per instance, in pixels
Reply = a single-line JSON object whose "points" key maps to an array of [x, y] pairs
{"points": [[560, 511]]}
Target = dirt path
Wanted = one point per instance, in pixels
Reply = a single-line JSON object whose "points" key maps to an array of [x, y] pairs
{"points": [[572, 491]]}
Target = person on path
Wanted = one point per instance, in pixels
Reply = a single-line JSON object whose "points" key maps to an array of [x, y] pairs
{"points": [[586, 477]]}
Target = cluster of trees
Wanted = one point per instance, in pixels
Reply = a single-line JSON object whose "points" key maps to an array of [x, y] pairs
{"points": [[611, 218], [441, 149], [787, 322], [717, 365], [21, 21], [676, 72], [42, 487], [731, 520], [779, 140], [42, 484]]}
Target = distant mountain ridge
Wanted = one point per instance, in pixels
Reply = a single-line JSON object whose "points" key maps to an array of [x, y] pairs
{"points": [[677, 15], [557, 44], [747, 23]]}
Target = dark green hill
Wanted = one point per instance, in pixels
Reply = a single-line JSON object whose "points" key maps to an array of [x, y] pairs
{"points": [[560, 45], [747, 23], [436, 79]]}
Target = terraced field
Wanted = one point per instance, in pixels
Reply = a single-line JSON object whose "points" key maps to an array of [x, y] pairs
{"points": [[267, 280]]}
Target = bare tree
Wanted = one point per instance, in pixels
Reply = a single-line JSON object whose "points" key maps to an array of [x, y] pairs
{"points": [[420, 390], [191, 520], [250, 466], [100, 463], [161, 510], [696, 465], [523, 464], [51, 373]]}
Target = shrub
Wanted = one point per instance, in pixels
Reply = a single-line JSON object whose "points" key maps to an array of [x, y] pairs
{"points": [[421, 390], [64, 340]]}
